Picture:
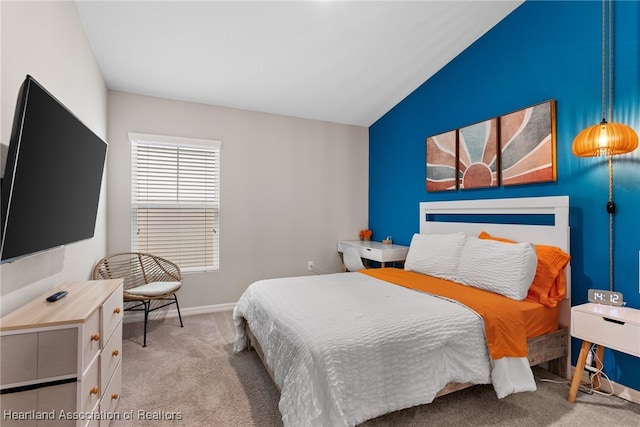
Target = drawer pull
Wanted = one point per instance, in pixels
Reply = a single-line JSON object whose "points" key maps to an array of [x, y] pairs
{"points": [[616, 321], [116, 310], [115, 353], [114, 396], [95, 337], [94, 390]]}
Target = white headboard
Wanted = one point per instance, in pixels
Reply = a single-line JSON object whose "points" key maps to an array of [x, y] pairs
{"points": [[452, 216]]}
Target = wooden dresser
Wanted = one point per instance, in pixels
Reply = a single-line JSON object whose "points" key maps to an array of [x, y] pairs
{"points": [[60, 361]]}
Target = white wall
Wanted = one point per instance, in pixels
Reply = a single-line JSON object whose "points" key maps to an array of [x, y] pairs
{"points": [[47, 41], [290, 188]]}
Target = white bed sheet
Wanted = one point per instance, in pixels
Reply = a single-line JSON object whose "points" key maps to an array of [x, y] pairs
{"points": [[346, 347]]}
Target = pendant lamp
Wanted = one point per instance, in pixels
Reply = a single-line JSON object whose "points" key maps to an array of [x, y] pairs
{"points": [[606, 138]]}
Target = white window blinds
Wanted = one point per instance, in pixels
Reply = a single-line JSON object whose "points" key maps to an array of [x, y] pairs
{"points": [[175, 190]]}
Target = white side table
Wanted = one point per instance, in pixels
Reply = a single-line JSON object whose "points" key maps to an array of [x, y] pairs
{"points": [[378, 251], [606, 326]]}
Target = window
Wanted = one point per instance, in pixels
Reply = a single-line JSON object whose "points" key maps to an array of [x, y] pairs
{"points": [[175, 199]]}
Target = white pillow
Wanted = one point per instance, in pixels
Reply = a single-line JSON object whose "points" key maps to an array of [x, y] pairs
{"points": [[435, 254], [503, 268]]}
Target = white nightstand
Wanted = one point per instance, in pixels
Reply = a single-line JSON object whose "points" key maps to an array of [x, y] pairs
{"points": [[378, 251], [606, 326]]}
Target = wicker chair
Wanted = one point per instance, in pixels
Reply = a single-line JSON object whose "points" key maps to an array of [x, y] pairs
{"points": [[146, 277]]}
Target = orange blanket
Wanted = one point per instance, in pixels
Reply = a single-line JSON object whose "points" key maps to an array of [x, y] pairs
{"points": [[504, 322]]}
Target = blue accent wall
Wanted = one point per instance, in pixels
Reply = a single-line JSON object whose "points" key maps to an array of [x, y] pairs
{"points": [[543, 50]]}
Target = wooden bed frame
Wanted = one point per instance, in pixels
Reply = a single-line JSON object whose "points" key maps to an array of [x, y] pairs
{"points": [[551, 227]]}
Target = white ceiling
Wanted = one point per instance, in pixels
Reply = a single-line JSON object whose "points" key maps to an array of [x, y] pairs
{"points": [[339, 61]]}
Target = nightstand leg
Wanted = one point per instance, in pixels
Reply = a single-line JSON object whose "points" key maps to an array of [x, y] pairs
{"points": [[577, 374]]}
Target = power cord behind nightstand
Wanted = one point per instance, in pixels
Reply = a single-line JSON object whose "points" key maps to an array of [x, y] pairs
{"points": [[592, 362]]}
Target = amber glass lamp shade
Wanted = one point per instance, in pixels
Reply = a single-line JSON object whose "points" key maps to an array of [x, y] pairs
{"points": [[605, 139]]}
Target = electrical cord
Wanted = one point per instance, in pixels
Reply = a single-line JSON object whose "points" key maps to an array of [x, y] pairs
{"points": [[587, 388], [593, 372], [583, 387]]}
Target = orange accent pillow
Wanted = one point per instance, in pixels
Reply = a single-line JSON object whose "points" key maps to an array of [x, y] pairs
{"points": [[549, 285]]}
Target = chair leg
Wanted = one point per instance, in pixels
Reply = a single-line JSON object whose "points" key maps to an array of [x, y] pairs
{"points": [[178, 308], [147, 305]]}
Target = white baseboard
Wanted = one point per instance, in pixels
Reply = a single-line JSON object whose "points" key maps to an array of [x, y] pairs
{"points": [[619, 390], [138, 316]]}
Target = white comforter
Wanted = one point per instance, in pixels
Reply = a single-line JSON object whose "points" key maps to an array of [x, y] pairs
{"points": [[345, 348]]}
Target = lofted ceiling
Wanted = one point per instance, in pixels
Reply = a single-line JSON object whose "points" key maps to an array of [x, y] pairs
{"points": [[340, 61]]}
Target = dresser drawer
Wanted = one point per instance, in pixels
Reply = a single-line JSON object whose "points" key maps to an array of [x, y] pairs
{"points": [[111, 313], [605, 327], [111, 395], [16, 403], [110, 357], [18, 358], [28, 357], [57, 399], [58, 353], [90, 388], [50, 402], [90, 339]]}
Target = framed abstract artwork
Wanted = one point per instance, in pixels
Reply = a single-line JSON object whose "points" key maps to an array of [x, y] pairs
{"points": [[528, 145], [478, 155], [441, 161]]}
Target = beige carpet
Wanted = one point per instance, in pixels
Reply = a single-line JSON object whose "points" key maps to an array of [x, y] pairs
{"points": [[190, 376]]}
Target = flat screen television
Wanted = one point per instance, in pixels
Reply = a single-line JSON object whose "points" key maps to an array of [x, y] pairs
{"points": [[52, 178]]}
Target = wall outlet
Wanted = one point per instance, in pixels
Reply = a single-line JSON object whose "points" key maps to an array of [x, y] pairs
{"points": [[309, 265]]}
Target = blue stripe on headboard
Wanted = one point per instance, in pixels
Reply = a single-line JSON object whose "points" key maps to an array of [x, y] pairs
{"points": [[521, 219]]}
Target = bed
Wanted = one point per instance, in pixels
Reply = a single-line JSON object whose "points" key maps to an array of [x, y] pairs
{"points": [[347, 347]]}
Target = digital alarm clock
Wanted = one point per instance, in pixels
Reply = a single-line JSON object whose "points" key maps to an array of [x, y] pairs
{"points": [[599, 296]]}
